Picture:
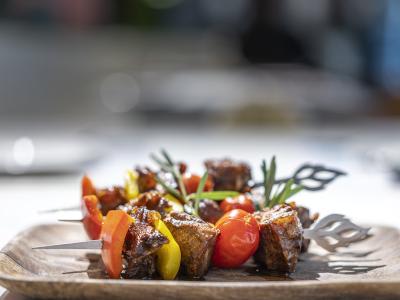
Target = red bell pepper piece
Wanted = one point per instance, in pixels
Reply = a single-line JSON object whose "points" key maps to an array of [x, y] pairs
{"points": [[113, 234], [192, 181], [92, 217], [87, 186]]}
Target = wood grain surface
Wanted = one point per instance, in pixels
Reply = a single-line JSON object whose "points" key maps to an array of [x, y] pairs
{"points": [[368, 269]]}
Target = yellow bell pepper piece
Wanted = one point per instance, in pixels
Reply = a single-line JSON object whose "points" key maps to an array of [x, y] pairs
{"points": [[131, 184], [169, 255], [175, 203]]}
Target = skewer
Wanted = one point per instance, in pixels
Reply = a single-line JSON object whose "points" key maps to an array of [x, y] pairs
{"points": [[87, 245], [70, 220], [53, 210], [333, 226]]}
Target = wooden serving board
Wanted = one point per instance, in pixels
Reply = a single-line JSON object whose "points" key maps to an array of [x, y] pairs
{"points": [[370, 269]]}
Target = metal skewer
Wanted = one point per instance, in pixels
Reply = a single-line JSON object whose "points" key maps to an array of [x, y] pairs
{"points": [[70, 220], [333, 226], [89, 245], [53, 210]]}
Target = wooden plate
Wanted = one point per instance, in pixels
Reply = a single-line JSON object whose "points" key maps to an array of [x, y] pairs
{"points": [[369, 269]]}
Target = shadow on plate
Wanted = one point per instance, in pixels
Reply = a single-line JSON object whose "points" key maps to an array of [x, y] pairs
{"points": [[310, 267]]}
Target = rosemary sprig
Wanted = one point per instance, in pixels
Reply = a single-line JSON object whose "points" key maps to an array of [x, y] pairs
{"points": [[169, 189], [269, 179], [167, 157], [175, 172], [199, 190], [281, 194], [167, 165], [294, 191], [215, 195]]}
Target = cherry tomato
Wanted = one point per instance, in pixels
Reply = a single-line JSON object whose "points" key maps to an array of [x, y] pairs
{"points": [[87, 186], [92, 218], [113, 233], [238, 240], [242, 201], [233, 214], [191, 182]]}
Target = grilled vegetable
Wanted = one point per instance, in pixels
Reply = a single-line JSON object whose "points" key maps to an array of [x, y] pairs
{"points": [[92, 218], [131, 184], [169, 255], [87, 186], [243, 201], [237, 241], [113, 233], [192, 181]]}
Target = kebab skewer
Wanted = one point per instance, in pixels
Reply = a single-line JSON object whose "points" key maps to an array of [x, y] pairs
{"points": [[275, 229], [279, 228]]}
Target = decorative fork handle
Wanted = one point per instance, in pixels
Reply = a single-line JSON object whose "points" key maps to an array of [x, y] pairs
{"points": [[318, 175], [335, 228]]}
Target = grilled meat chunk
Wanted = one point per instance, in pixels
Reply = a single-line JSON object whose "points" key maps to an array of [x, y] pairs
{"points": [[229, 175], [182, 167], [153, 201], [111, 198], [209, 211], [306, 221], [196, 238], [141, 243], [146, 180], [280, 238], [150, 200], [141, 268]]}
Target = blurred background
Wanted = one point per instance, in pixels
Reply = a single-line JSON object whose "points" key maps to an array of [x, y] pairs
{"points": [[96, 85], [241, 61]]}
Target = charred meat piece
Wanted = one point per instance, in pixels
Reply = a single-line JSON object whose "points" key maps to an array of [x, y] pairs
{"points": [[111, 198], [209, 211], [182, 167], [141, 243], [141, 268], [153, 201], [229, 175], [146, 180], [306, 221], [196, 238], [280, 238]]}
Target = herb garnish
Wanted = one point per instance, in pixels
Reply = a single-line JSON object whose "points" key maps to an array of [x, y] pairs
{"points": [[168, 165], [281, 194]]}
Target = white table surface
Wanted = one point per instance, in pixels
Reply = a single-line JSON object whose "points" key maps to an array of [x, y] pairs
{"points": [[367, 195]]}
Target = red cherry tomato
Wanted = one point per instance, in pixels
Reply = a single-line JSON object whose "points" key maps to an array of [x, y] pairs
{"points": [[87, 186], [92, 218], [113, 233], [242, 202], [233, 214], [238, 240], [191, 182]]}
